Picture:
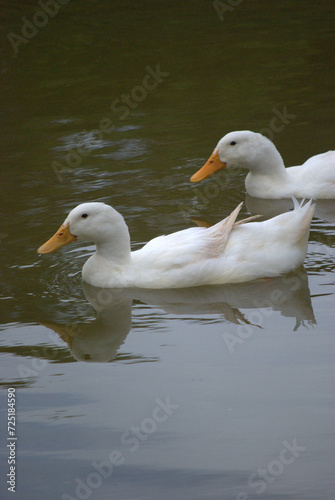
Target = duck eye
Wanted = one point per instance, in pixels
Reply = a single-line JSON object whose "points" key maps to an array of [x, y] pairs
{"points": [[84, 216], [232, 143]]}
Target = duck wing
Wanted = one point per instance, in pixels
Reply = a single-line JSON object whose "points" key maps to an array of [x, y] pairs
{"points": [[187, 246]]}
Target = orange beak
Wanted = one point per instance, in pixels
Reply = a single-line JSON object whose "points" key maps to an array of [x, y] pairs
{"points": [[212, 165], [58, 240]]}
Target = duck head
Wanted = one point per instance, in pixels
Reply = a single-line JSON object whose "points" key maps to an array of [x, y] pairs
{"points": [[241, 149], [93, 221]]}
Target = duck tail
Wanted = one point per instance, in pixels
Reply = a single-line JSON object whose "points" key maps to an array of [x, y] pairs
{"points": [[305, 212]]}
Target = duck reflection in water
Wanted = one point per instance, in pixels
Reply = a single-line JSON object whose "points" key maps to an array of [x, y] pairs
{"points": [[100, 340], [324, 209]]}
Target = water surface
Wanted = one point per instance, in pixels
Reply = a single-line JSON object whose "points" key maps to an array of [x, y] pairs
{"points": [[211, 393]]}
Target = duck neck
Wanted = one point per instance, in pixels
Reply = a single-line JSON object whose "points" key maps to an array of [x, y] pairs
{"points": [[269, 163], [116, 247]]}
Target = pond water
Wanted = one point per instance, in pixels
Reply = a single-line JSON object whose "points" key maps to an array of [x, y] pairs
{"points": [[208, 393]]}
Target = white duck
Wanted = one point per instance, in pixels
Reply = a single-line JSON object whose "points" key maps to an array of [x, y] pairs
{"points": [[228, 252], [268, 177]]}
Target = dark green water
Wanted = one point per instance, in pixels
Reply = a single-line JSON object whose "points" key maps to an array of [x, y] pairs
{"points": [[215, 393]]}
